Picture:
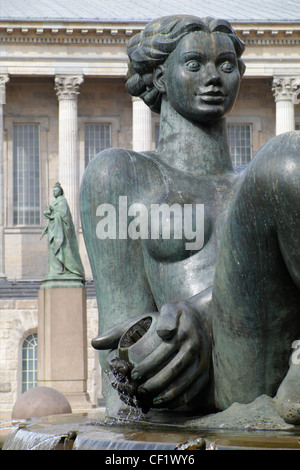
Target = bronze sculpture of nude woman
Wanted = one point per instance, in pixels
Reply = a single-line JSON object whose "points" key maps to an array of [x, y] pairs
{"points": [[227, 312]]}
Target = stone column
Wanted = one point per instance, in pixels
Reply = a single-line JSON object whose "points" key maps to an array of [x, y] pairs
{"points": [[3, 80], [284, 89], [141, 126], [67, 90]]}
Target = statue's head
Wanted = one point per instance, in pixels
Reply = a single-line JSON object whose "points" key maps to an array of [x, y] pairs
{"points": [[57, 190], [194, 63]]}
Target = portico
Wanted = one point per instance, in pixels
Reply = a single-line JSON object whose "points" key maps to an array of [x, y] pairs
{"points": [[71, 57]]}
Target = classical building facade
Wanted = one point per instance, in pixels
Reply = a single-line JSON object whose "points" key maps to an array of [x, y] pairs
{"points": [[62, 100]]}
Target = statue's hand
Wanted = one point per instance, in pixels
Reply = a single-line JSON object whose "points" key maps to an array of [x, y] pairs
{"points": [[171, 362], [47, 213], [184, 353], [110, 339], [117, 369]]}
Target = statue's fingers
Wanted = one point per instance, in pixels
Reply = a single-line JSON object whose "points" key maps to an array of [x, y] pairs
{"points": [[167, 322], [182, 387], [173, 399], [170, 372], [154, 360], [110, 339]]}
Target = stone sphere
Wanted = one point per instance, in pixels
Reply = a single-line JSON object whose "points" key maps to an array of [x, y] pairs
{"points": [[40, 401]]}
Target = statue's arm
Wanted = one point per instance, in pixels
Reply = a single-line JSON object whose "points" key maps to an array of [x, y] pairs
{"points": [[48, 214]]}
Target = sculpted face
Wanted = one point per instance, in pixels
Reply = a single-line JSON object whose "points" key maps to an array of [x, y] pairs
{"points": [[201, 77], [56, 191]]}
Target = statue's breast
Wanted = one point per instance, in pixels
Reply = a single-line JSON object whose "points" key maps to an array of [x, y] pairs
{"points": [[176, 231]]}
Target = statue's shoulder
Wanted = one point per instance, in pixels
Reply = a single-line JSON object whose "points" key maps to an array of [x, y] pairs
{"points": [[60, 201], [121, 160], [120, 153], [124, 171]]}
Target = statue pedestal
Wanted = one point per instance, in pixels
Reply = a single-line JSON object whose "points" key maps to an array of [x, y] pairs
{"points": [[62, 343]]}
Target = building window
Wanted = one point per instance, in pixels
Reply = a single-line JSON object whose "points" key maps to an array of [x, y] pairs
{"points": [[240, 143], [97, 137], [26, 174], [29, 362], [297, 127]]}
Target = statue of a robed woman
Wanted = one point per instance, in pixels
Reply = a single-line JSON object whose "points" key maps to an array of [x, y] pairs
{"points": [[64, 258]]}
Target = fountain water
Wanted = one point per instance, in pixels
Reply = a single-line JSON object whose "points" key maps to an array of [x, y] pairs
{"points": [[20, 438], [158, 431]]}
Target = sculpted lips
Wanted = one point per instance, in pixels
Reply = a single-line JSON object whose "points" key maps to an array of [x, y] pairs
{"points": [[212, 96]]}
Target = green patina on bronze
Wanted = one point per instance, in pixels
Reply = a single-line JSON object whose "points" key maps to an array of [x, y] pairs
{"points": [[65, 268], [229, 312]]}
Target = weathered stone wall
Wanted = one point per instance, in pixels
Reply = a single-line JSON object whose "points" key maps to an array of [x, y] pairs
{"points": [[18, 319]]}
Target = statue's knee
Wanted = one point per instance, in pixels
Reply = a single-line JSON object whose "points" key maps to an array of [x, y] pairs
{"points": [[288, 396]]}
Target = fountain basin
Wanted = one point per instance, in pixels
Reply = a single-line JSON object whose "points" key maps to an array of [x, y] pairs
{"points": [[93, 431]]}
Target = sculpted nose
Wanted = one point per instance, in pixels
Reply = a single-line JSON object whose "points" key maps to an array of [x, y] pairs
{"points": [[212, 76]]}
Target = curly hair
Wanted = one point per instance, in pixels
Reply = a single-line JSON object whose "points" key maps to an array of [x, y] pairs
{"points": [[152, 46]]}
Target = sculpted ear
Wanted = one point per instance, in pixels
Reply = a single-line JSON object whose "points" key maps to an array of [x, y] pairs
{"points": [[158, 79]]}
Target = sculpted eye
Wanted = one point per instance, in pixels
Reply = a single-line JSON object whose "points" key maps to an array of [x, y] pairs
{"points": [[227, 67], [192, 65]]}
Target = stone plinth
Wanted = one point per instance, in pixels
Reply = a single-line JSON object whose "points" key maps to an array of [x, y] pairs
{"points": [[62, 349]]}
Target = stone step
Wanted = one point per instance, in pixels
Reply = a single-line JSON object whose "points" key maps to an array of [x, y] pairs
{"points": [[29, 289]]}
